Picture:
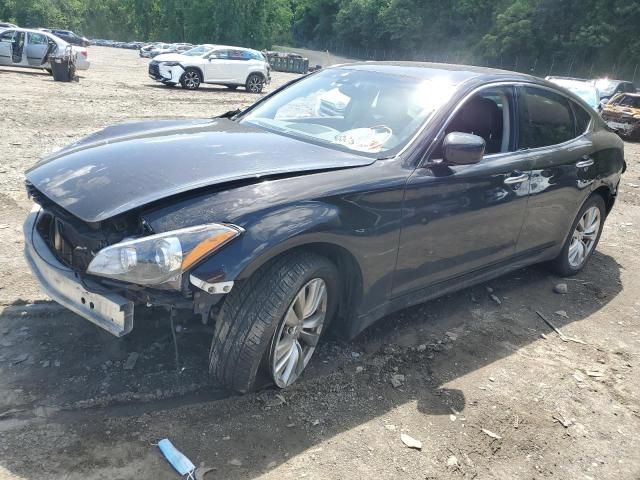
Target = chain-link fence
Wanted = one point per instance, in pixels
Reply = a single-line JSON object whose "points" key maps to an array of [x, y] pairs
{"points": [[556, 63]]}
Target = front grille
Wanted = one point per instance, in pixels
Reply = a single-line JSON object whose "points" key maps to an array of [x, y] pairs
{"points": [[67, 242], [154, 69]]}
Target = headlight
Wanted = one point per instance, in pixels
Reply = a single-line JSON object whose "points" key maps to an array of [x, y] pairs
{"points": [[161, 259], [170, 64]]}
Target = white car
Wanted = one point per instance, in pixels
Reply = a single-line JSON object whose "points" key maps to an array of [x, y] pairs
{"points": [[23, 47], [217, 64]]}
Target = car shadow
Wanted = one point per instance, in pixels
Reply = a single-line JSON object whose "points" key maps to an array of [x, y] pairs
{"points": [[24, 71], [208, 88], [347, 385]]}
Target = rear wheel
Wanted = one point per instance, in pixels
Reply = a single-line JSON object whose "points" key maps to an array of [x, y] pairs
{"points": [[268, 327], [255, 83], [583, 239], [191, 79]]}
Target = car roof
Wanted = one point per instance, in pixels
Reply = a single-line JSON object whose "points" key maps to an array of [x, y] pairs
{"points": [[450, 73], [233, 48]]}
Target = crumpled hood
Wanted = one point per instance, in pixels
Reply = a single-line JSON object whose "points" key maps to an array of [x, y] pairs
{"points": [[131, 165]]}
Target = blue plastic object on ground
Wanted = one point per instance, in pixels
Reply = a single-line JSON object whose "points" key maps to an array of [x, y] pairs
{"points": [[182, 464]]}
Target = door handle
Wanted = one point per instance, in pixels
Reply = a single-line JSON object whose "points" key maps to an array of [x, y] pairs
{"points": [[587, 162], [516, 179]]}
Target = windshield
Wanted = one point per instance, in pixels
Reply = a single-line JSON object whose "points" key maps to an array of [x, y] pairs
{"points": [[358, 110], [585, 91], [606, 87]]}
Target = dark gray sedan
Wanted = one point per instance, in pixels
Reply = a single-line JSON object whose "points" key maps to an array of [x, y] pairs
{"points": [[344, 196]]}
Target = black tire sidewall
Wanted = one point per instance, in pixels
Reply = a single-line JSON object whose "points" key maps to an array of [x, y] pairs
{"points": [[561, 263], [327, 272], [252, 313]]}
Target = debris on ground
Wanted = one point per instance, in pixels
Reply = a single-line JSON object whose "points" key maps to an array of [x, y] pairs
{"points": [[561, 288], [130, 363], [202, 471], [562, 313], [20, 358], [397, 380], [595, 373], [495, 299], [561, 420], [235, 462], [271, 399], [411, 442], [452, 461], [491, 434], [562, 336], [176, 458]]}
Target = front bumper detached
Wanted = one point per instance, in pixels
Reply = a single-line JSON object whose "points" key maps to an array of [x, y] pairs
{"points": [[110, 311]]}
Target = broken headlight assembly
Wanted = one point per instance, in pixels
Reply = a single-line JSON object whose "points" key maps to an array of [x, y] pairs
{"points": [[160, 260]]}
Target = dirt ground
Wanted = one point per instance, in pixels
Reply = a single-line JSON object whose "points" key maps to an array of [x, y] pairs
{"points": [[490, 390]]}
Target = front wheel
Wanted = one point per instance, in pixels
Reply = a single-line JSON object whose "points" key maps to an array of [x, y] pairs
{"points": [[255, 83], [269, 326], [583, 239], [191, 79]]}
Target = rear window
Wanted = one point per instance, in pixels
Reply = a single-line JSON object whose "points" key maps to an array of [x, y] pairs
{"points": [[545, 118]]}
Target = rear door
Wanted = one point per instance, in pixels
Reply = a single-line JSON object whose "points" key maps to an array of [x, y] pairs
{"points": [[37, 46], [460, 219], [555, 131]]}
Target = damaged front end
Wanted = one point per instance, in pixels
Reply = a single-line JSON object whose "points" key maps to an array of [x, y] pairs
{"points": [[167, 72], [102, 270], [622, 114]]}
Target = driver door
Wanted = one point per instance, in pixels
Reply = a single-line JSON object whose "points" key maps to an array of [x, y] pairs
{"points": [[460, 219], [6, 40], [217, 67]]}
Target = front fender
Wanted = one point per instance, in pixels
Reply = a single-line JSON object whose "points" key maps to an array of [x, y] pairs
{"points": [[275, 232]]}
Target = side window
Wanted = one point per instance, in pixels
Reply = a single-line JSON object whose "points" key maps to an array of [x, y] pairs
{"points": [[545, 118], [487, 114], [583, 118], [238, 55], [221, 54], [37, 39], [6, 37]]}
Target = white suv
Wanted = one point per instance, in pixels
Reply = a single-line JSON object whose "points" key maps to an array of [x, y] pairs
{"points": [[218, 64]]}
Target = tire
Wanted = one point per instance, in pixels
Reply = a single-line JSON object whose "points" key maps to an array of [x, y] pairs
{"points": [[568, 262], [191, 79], [243, 349], [255, 83]]}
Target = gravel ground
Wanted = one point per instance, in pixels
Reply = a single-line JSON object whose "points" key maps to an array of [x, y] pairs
{"points": [[489, 389]]}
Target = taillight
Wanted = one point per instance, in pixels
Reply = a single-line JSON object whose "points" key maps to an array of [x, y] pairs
{"points": [[84, 53]]}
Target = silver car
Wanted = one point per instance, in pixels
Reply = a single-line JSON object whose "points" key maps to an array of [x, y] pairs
{"points": [[23, 47]]}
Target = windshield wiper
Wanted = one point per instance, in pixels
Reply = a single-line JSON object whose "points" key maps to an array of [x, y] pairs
{"points": [[230, 114]]}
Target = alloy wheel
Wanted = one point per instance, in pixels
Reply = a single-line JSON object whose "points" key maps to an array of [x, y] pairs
{"points": [[255, 84], [584, 237], [299, 332], [192, 79]]}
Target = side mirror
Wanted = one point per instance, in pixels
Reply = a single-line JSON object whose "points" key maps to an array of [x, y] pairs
{"points": [[462, 148]]}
